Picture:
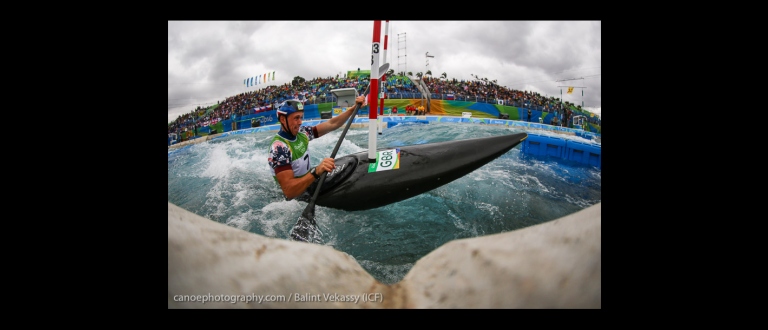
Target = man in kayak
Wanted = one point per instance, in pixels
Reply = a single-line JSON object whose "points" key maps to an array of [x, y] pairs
{"points": [[288, 154]]}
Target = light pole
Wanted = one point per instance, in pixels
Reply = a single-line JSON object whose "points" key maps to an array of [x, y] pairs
{"points": [[428, 56]]}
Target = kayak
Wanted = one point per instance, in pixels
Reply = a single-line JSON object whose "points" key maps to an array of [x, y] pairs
{"points": [[359, 183]]}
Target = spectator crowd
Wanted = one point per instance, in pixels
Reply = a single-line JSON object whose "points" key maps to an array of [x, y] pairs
{"points": [[318, 90]]}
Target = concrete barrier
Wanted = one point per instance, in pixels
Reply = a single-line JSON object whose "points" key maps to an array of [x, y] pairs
{"points": [[556, 264], [194, 141]]}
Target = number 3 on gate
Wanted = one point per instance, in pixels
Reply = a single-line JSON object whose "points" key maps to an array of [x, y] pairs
{"points": [[374, 50]]}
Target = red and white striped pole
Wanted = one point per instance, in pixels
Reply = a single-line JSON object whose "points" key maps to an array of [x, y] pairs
{"points": [[373, 96], [384, 77]]}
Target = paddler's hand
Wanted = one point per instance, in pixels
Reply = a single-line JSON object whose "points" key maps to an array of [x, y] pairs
{"points": [[362, 100], [327, 165]]}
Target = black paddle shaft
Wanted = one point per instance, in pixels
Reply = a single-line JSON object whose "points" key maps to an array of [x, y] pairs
{"points": [[309, 211]]}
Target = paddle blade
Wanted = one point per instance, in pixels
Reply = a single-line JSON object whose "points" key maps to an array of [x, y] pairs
{"points": [[306, 229]]}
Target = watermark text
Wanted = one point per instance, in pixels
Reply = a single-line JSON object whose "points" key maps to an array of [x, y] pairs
{"points": [[270, 298]]}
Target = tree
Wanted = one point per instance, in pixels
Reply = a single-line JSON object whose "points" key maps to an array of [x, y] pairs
{"points": [[419, 74], [410, 73], [298, 80], [390, 72], [429, 72], [444, 75]]}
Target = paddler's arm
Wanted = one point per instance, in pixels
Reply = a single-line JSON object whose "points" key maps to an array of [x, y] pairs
{"points": [[293, 187], [339, 120]]}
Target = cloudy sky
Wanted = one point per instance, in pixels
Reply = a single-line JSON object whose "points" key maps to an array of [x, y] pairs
{"points": [[208, 60]]}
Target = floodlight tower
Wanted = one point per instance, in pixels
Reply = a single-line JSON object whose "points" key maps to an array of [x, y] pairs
{"points": [[428, 56], [402, 59]]}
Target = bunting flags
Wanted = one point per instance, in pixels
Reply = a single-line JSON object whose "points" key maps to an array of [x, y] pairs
{"points": [[570, 90], [259, 79]]}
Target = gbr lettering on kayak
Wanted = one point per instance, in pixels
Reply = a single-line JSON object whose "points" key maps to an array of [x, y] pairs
{"points": [[385, 160]]}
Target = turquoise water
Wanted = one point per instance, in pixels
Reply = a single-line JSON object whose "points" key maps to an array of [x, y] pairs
{"points": [[228, 180]]}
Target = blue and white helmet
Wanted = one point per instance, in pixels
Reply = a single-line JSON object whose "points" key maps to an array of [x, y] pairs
{"points": [[290, 106]]}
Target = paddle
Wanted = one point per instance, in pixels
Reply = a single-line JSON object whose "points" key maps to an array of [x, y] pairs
{"points": [[305, 228]]}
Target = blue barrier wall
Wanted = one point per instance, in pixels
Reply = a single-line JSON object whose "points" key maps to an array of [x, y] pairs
{"points": [[588, 154], [548, 146], [270, 118]]}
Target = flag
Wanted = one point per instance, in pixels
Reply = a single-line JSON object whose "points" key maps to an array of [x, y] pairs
{"points": [[244, 82], [273, 75], [570, 90], [265, 77]]}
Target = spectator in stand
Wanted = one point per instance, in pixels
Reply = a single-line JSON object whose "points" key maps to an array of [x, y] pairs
{"points": [[529, 114], [394, 110]]}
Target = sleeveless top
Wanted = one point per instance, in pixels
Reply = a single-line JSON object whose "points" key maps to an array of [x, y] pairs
{"points": [[284, 151]]}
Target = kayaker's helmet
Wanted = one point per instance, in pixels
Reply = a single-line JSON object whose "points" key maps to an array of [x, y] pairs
{"points": [[286, 109], [290, 106]]}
